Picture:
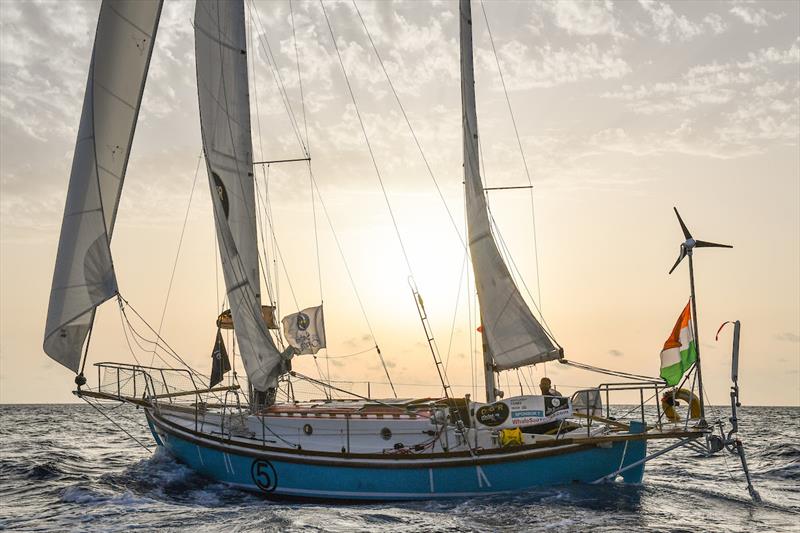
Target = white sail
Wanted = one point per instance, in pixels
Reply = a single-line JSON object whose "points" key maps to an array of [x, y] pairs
{"points": [[221, 57], [512, 334], [84, 272]]}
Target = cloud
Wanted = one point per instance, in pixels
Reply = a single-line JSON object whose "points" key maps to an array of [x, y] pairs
{"points": [[669, 25], [758, 17], [747, 105], [41, 85], [592, 17], [615, 353], [715, 23], [788, 337], [545, 66]]}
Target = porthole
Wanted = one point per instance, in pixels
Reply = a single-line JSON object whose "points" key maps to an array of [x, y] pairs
{"points": [[307, 429], [386, 433]]}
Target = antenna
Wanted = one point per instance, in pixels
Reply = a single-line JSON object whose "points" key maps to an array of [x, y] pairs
{"points": [[687, 247]]}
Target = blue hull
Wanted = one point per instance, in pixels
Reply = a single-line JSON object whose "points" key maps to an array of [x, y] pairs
{"points": [[288, 473]]}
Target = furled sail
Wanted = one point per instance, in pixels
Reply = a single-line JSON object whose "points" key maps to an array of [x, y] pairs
{"points": [[512, 334], [221, 57], [84, 273]]}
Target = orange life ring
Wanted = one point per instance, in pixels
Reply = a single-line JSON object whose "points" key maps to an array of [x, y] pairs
{"points": [[669, 401]]}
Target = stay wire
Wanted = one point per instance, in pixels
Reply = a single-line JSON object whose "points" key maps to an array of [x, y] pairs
{"points": [[265, 263], [267, 49], [300, 80], [366, 139], [310, 175], [455, 311], [410, 128], [265, 202], [161, 340], [178, 252], [116, 424], [521, 152], [347, 355], [615, 373], [353, 283], [513, 265]]}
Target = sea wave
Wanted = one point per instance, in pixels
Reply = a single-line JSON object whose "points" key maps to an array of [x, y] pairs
{"points": [[67, 468]]}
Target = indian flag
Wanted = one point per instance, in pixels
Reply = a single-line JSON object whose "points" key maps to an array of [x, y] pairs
{"points": [[680, 350]]}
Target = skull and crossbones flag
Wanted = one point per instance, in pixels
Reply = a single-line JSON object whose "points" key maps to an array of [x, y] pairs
{"points": [[305, 331], [219, 360]]}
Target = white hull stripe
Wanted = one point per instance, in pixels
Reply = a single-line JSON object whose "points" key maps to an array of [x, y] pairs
{"points": [[332, 495], [366, 462], [340, 415]]}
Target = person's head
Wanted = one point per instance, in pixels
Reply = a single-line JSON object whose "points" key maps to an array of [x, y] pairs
{"points": [[545, 384]]}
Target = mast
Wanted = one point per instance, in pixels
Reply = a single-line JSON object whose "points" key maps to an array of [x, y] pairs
{"points": [[223, 96], [488, 368], [511, 335], [471, 154]]}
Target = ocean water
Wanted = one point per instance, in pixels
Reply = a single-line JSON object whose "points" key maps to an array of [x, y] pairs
{"points": [[66, 468]]}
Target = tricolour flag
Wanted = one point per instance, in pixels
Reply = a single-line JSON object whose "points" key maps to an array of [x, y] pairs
{"points": [[305, 330], [680, 350]]}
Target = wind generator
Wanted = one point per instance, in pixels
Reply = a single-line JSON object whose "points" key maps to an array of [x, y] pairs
{"points": [[729, 441], [687, 249]]}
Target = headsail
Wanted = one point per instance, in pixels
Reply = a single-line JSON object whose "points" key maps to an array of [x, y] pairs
{"points": [[512, 334], [84, 273], [221, 56]]}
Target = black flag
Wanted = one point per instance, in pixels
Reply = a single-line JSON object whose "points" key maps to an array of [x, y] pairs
{"points": [[219, 361]]}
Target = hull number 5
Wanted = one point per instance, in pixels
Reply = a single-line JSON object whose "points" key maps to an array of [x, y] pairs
{"points": [[264, 475]]}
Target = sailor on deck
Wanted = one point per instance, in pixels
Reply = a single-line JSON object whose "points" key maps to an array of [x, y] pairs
{"points": [[547, 389]]}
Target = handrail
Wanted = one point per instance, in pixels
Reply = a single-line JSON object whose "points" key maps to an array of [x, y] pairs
{"points": [[196, 391], [150, 393], [603, 390]]}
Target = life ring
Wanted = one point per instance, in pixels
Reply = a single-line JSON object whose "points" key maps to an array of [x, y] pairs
{"points": [[669, 401]]}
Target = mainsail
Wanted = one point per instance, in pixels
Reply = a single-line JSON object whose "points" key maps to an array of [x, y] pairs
{"points": [[512, 335], [84, 272], [221, 57]]}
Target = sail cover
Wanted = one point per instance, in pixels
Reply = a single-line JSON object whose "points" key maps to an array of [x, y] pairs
{"points": [[221, 57], [513, 335], [84, 273]]}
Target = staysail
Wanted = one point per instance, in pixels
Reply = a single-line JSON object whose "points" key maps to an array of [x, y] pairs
{"points": [[512, 335], [84, 273], [221, 57]]}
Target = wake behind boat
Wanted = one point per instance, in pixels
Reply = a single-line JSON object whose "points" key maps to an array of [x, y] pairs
{"points": [[256, 433]]}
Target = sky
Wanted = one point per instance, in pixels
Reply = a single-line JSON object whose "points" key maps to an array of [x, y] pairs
{"points": [[624, 110]]}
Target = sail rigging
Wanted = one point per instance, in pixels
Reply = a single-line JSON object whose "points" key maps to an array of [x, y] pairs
{"points": [[512, 335], [222, 85], [84, 274]]}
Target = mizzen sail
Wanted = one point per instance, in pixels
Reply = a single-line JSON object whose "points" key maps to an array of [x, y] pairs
{"points": [[221, 56], [512, 334], [84, 272]]}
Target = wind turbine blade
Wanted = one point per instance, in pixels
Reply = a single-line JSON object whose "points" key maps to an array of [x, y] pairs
{"points": [[680, 258], [706, 244], [686, 233]]}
